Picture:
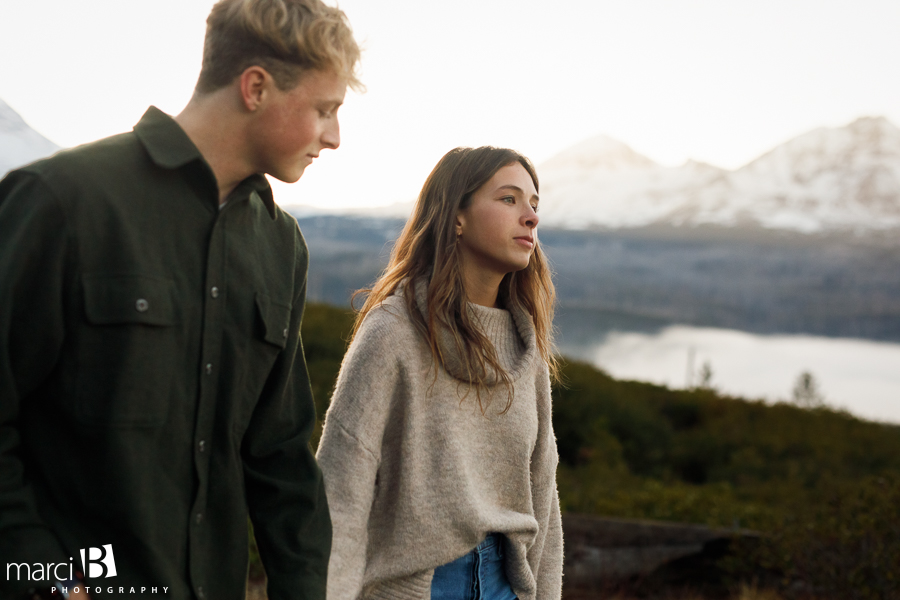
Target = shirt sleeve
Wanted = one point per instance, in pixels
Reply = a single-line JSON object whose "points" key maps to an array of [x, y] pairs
{"points": [[284, 485], [546, 554], [33, 267], [350, 450]]}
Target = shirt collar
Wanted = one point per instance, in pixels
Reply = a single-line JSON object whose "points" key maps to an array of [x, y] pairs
{"points": [[258, 186], [170, 148]]}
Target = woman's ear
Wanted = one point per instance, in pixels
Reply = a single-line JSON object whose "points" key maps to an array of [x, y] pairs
{"points": [[460, 222]]}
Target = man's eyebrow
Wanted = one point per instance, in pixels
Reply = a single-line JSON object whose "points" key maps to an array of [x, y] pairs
{"points": [[518, 189]]}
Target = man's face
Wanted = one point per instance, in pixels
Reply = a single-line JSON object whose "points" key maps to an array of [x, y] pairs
{"points": [[295, 125]]}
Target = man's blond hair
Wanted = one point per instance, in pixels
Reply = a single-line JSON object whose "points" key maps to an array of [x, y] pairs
{"points": [[284, 37]]}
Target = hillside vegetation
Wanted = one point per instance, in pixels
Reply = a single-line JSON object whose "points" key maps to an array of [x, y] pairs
{"points": [[822, 484]]}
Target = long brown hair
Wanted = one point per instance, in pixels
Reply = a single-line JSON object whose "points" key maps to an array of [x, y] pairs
{"points": [[427, 251]]}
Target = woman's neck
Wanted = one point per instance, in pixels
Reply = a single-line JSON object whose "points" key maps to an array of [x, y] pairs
{"points": [[482, 288]]}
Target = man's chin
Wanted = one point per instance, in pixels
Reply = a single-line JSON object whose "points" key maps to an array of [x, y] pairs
{"points": [[292, 177]]}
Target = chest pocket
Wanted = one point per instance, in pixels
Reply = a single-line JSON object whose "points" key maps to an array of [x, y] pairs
{"points": [[275, 320], [127, 350], [257, 353]]}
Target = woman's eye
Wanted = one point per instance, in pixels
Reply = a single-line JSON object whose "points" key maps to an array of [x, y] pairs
{"points": [[509, 199], [534, 207]]}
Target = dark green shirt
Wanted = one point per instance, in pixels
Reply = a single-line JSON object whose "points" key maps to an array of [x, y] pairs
{"points": [[153, 390]]}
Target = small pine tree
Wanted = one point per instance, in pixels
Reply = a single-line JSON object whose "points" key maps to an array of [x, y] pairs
{"points": [[705, 375], [806, 391]]}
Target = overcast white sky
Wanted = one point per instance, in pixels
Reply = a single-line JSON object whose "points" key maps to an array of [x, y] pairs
{"points": [[720, 81]]}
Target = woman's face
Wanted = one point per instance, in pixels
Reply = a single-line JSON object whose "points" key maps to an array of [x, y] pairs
{"points": [[498, 230]]}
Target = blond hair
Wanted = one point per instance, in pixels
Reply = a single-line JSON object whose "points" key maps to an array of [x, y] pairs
{"points": [[284, 37], [427, 251]]}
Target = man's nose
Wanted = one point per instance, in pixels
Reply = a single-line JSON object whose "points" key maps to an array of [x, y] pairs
{"points": [[331, 137]]}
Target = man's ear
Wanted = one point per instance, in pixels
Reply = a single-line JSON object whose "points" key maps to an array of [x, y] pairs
{"points": [[254, 84]]}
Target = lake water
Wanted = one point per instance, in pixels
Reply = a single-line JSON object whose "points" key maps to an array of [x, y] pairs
{"points": [[860, 376]]}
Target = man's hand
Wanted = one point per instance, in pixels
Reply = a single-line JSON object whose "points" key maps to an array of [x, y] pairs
{"points": [[54, 593], [81, 595]]}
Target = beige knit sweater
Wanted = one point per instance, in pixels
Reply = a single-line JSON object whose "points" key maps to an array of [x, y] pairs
{"points": [[416, 477]]}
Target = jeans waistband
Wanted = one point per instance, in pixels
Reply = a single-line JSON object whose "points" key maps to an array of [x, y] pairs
{"points": [[492, 541]]}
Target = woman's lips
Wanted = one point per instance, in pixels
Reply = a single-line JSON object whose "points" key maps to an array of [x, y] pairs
{"points": [[526, 241]]}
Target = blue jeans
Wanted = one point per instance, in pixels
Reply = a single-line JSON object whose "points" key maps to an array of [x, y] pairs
{"points": [[479, 575]]}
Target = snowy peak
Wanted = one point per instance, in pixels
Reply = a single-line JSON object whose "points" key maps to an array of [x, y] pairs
{"points": [[601, 152], [866, 142], [19, 143], [10, 121], [845, 178]]}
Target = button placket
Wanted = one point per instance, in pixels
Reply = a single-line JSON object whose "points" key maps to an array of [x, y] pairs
{"points": [[213, 306]]}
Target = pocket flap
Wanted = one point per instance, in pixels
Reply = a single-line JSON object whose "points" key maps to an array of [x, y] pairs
{"points": [[122, 299], [276, 318]]}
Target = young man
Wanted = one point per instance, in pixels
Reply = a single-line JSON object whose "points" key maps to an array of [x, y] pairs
{"points": [[153, 390]]}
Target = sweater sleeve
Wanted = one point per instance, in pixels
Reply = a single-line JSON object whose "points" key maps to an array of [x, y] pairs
{"points": [[350, 450], [546, 554]]}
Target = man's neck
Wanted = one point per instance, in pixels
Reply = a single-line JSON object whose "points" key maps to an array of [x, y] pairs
{"points": [[213, 125]]}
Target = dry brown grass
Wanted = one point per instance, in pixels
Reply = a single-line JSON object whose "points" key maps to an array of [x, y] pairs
{"points": [[751, 592], [746, 592], [256, 590]]}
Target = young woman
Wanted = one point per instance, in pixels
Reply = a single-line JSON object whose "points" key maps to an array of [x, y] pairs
{"points": [[438, 449]]}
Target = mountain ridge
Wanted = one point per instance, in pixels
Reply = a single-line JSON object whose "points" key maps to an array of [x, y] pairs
{"points": [[829, 180], [845, 178], [19, 143], [840, 179]]}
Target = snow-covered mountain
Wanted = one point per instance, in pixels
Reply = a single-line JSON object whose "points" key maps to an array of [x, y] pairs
{"points": [[19, 143], [845, 178]]}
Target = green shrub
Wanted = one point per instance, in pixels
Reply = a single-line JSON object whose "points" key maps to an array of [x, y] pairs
{"points": [[845, 546]]}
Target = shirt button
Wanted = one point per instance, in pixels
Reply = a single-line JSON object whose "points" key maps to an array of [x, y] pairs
{"points": [[201, 445], [200, 593], [214, 292], [284, 333], [141, 305], [199, 518], [208, 368]]}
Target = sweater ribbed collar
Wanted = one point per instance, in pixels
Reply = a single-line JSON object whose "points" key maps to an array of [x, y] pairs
{"points": [[510, 331]]}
